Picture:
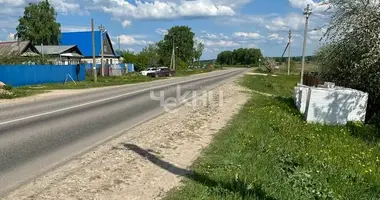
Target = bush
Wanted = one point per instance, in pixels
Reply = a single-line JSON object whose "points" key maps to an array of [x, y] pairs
{"points": [[352, 57], [8, 87]]}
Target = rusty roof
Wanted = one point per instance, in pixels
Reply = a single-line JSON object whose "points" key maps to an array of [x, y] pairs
{"points": [[14, 48]]}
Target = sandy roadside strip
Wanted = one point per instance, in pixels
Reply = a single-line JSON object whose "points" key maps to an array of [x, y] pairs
{"points": [[146, 161]]}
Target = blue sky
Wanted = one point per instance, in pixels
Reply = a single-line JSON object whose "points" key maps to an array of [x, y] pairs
{"points": [[219, 24]]}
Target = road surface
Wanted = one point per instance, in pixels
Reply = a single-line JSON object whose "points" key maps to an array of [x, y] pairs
{"points": [[38, 136]]}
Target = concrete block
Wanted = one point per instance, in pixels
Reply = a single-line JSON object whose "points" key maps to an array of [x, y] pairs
{"points": [[335, 105]]}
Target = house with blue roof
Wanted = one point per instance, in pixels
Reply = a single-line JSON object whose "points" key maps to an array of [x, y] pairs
{"points": [[84, 42]]}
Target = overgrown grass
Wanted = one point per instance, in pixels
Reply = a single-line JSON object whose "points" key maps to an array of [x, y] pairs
{"points": [[296, 70], [269, 152], [277, 85], [17, 93]]}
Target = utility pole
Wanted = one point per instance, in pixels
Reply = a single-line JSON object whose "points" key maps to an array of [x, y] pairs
{"points": [[173, 56], [172, 61], [118, 42], [307, 13], [93, 51], [101, 28], [290, 40]]}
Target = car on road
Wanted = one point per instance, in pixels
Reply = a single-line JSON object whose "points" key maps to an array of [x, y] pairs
{"points": [[161, 72], [147, 71]]}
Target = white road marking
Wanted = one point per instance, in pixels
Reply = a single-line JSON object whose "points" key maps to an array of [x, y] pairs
{"points": [[97, 101]]}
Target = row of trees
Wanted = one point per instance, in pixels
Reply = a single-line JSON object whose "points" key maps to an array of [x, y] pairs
{"points": [[240, 56], [351, 57], [186, 50]]}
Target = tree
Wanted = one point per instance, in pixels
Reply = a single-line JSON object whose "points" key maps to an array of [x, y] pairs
{"points": [[183, 38], [151, 54], [240, 57], [269, 64], [351, 57], [38, 25], [198, 51]]}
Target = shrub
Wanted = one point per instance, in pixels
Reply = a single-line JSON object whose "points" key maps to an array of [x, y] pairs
{"points": [[8, 87], [352, 57]]}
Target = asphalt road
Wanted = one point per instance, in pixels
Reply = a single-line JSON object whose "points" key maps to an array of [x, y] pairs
{"points": [[37, 136]]}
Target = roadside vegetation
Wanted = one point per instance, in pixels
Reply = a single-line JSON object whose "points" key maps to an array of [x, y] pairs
{"points": [[269, 152], [10, 92]]}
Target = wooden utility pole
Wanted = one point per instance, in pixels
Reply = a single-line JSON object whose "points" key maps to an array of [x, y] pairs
{"points": [[290, 40], [93, 52], [307, 13]]}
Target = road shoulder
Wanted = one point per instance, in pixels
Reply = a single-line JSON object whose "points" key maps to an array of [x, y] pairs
{"points": [[146, 161]]}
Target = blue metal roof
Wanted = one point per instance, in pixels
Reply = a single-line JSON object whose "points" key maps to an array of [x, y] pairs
{"points": [[84, 41]]}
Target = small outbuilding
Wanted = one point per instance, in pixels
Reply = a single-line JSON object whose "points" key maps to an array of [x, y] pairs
{"points": [[62, 55]]}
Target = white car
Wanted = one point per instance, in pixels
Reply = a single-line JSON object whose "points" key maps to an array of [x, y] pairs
{"points": [[149, 70]]}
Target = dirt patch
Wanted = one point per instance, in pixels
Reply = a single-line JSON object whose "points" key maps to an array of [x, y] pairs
{"points": [[145, 163]]}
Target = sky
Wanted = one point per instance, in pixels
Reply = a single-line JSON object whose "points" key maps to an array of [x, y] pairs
{"points": [[219, 24]]}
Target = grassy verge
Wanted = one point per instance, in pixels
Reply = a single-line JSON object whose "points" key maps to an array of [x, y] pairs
{"points": [[129, 78], [17, 93], [192, 71], [269, 152]]}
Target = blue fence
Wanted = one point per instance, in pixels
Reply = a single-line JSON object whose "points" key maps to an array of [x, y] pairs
{"points": [[20, 75]]}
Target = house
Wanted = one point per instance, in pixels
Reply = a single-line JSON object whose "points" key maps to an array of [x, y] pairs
{"points": [[17, 48], [62, 55], [84, 42]]}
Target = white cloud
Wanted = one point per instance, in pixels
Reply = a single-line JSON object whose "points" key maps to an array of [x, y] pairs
{"points": [[12, 3], [248, 35], [16, 7], [126, 23], [165, 9], [317, 7], [221, 35], [276, 37], [292, 21], [316, 34], [218, 43], [65, 7], [133, 40], [75, 28], [162, 31], [212, 36]]}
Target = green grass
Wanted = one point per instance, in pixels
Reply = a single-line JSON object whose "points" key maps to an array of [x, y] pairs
{"points": [[18, 93], [277, 85], [269, 152], [192, 71], [129, 78], [283, 70]]}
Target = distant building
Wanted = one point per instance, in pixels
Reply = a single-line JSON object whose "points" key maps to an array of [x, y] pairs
{"points": [[17, 48], [61, 55], [84, 42]]}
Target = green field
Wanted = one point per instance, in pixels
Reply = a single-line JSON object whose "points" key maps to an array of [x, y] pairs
{"points": [[268, 152]]}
